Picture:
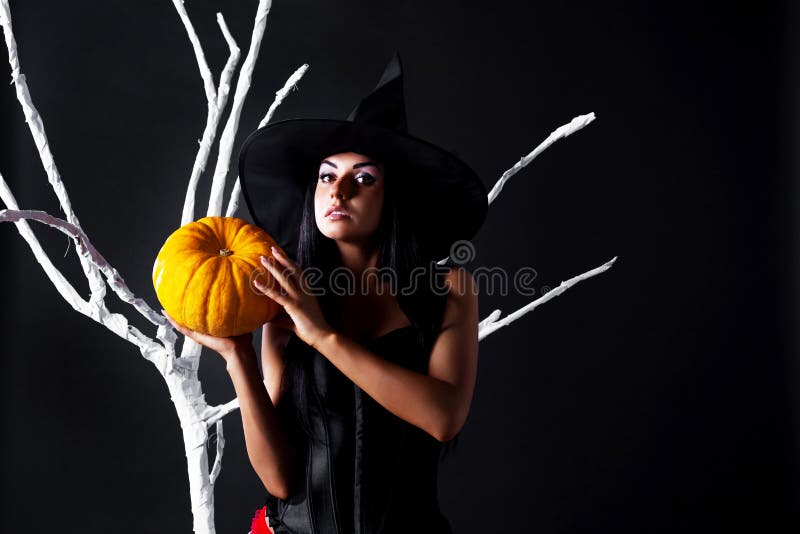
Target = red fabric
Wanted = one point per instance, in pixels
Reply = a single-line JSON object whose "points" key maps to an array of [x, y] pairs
{"points": [[259, 525]]}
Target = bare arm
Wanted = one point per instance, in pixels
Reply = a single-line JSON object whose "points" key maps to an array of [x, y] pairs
{"points": [[437, 402], [268, 447], [273, 343]]}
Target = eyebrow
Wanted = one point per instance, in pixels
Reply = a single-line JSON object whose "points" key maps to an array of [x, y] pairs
{"points": [[356, 166]]}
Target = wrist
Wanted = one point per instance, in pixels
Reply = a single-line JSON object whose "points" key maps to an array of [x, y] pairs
{"points": [[278, 340], [325, 337], [238, 357]]}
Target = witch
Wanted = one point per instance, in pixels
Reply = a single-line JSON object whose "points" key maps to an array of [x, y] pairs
{"points": [[369, 371]]}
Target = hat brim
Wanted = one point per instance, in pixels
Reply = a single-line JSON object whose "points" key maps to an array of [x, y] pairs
{"points": [[276, 163]]}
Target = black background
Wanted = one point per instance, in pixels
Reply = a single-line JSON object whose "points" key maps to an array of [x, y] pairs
{"points": [[657, 397]]}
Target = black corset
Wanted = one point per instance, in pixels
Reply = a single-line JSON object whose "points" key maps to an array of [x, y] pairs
{"points": [[363, 470]]}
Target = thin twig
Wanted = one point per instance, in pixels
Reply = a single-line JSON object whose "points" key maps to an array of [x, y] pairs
{"points": [[578, 123], [490, 324], [216, 101], [291, 83], [232, 125]]}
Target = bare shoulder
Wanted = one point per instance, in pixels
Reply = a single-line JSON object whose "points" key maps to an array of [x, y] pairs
{"points": [[462, 297], [460, 283]]}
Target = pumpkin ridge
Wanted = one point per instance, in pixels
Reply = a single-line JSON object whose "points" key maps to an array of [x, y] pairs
{"points": [[187, 286], [224, 233], [247, 262], [192, 232], [234, 291], [210, 231], [236, 237]]}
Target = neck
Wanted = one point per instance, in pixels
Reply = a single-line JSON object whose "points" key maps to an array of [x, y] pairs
{"points": [[357, 258]]}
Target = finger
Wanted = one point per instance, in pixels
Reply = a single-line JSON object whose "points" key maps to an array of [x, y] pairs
{"points": [[271, 293], [280, 274], [180, 328], [288, 271], [258, 280], [275, 282], [168, 318], [274, 278], [284, 259], [294, 270]]}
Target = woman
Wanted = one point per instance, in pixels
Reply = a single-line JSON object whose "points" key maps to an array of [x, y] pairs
{"points": [[366, 374]]}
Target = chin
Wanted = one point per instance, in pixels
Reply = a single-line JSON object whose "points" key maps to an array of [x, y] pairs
{"points": [[334, 231], [336, 236], [345, 235]]}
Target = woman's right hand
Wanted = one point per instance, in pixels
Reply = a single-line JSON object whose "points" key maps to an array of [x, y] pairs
{"points": [[227, 347]]}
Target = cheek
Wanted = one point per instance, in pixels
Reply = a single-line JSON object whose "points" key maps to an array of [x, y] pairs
{"points": [[376, 206], [319, 204]]}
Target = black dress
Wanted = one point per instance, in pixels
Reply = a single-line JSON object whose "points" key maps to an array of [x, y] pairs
{"points": [[371, 472]]}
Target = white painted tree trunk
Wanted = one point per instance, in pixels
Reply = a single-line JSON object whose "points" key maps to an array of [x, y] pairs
{"points": [[181, 373], [186, 392]]}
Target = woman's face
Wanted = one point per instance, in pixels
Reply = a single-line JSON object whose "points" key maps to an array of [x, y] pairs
{"points": [[349, 197]]}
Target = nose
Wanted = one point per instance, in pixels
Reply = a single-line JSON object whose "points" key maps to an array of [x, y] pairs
{"points": [[342, 188]]}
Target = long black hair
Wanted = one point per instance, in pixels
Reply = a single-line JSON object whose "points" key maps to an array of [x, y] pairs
{"points": [[398, 251]]}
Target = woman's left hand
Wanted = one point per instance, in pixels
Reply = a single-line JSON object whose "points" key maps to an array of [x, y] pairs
{"points": [[292, 292], [227, 347]]}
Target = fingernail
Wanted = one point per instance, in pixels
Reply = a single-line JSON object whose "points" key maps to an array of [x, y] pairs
{"points": [[274, 250]]}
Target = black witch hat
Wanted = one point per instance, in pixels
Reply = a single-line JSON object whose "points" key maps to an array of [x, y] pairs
{"points": [[277, 161]]}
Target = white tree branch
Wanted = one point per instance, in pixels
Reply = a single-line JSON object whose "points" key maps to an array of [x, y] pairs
{"points": [[291, 83], [280, 95], [96, 305], [218, 457], [36, 127], [215, 413], [490, 324], [230, 66], [205, 72], [233, 201], [95, 309], [561, 132], [232, 125], [216, 101]]}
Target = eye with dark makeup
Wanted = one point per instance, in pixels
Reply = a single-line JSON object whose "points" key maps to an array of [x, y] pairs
{"points": [[369, 179]]}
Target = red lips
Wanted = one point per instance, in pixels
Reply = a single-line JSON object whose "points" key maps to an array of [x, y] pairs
{"points": [[331, 209]]}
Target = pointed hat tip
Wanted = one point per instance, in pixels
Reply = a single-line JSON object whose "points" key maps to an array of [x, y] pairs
{"points": [[385, 104], [393, 70]]}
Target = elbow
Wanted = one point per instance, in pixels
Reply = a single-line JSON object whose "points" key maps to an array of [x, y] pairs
{"points": [[443, 437], [447, 431], [276, 487], [450, 422], [280, 491], [277, 481]]}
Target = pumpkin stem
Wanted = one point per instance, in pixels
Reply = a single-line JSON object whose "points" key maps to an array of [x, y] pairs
{"points": [[225, 252]]}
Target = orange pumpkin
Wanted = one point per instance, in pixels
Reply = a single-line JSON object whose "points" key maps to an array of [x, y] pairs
{"points": [[202, 276]]}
